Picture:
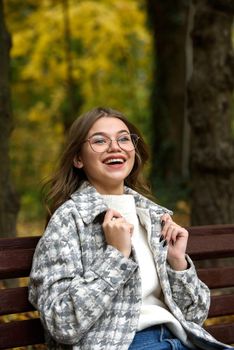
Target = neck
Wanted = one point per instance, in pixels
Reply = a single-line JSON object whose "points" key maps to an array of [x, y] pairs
{"points": [[109, 189]]}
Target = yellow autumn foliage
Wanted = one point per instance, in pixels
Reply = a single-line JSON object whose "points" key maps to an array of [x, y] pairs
{"points": [[109, 58]]}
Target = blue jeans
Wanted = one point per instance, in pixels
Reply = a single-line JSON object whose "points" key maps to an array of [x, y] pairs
{"points": [[156, 338]]}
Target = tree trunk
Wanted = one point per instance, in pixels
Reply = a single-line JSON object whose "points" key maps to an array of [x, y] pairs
{"points": [[210, 95], [74, 97], [168, 20], [8, 200]]}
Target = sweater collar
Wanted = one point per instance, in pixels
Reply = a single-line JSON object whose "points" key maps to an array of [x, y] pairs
{"points": [[90, 203]]}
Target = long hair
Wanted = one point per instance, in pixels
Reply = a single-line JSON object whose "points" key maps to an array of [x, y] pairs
{"points": [[67, 179]]}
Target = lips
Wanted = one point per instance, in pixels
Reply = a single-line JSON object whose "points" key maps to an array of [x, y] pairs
{"points": [[114, 160]]}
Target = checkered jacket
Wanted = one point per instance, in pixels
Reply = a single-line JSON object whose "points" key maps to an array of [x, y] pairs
{"points": [[89, 295]]}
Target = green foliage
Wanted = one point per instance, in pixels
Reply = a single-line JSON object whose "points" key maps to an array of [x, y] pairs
{"points": [[108, 56]]}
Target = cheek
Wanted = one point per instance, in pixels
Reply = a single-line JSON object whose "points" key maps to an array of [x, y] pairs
{"points": [[86, 157], [90, 163]]}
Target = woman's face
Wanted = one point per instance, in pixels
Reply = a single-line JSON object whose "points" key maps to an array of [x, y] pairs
{"points": [[106, 170]]}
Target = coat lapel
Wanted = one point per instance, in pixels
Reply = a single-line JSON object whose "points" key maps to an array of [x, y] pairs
{"points": [[89, 202]]}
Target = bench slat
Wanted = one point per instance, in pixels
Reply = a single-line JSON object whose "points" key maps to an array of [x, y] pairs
{"points": [[208, 242], [14, 300], [19, 243], [217, 277], [221, 305], [15, 263], [222, 332], [211, 230], [28, 332]]}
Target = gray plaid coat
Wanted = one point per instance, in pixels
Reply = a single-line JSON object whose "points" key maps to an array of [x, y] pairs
{"points": [[89, 295]]}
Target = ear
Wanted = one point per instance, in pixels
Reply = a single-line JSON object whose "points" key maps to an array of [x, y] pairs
{"points": [[77, 162]]}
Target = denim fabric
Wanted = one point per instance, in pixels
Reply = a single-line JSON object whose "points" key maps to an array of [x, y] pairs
{"points": [[156, 338]]}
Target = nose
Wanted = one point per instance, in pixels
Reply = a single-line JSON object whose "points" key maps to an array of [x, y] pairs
{"points": [[113, 146]]}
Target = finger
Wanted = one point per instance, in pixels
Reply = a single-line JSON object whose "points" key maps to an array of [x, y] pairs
{"points": [[183, 232], [169, 230], [165, 217], [110, 214], [174, 235], [166, 227], [177, 233]]}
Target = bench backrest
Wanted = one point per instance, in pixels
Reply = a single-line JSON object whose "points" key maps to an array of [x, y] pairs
{"points": [[212, 250], [205, 242], [15, 262]]}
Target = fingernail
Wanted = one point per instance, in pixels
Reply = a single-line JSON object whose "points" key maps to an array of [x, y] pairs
{"points": [[161, 238], [162, 223], [165, 243]]}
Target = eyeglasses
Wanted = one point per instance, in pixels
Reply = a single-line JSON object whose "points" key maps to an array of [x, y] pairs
{"points": [[101, 143]]}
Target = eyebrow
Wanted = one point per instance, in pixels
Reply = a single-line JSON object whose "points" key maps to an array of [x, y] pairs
{"points": [[105, 134]]}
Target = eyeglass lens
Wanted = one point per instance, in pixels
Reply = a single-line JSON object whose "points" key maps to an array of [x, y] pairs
{"points": [[101, 143]]}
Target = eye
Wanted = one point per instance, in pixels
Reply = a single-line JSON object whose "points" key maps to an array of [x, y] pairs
{"points": [[124, 138], [98, 140]]}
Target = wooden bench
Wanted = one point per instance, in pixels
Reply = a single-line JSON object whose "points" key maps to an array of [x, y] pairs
{"points": [[205, 242]]}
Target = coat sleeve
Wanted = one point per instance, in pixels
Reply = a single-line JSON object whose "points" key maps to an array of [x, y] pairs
{"points": [[69, 299], [190, 294]]}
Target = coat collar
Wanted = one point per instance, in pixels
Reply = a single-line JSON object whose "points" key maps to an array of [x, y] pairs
{"points": [[90, 203]]}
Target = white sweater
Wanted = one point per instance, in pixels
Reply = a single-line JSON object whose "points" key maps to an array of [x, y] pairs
{"points": [[153, 310]]}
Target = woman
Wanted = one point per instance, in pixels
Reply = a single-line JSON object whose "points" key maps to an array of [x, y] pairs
{"points": [[110, 271]]}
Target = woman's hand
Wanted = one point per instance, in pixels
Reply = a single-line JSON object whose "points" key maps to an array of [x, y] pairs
{"points": [[117, 232], [177, 238]]}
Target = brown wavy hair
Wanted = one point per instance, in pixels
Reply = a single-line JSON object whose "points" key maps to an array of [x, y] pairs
{"points": [[68, 178]]}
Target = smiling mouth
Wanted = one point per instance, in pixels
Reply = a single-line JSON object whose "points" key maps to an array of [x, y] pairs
{"points": [[115, 161]]}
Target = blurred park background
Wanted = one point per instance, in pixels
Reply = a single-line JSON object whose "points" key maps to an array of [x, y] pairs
{"points": [[167, 65]]}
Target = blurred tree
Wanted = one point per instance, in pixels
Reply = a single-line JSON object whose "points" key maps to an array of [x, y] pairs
{"points": [[209, 102], [8, 199], [73, 90], [168, 21]]}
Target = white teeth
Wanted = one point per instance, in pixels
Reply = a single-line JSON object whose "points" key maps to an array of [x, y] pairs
{"points": [[114, 160]]}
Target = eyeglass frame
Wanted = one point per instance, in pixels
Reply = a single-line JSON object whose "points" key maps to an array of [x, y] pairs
{"points": [[111, 140]]}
